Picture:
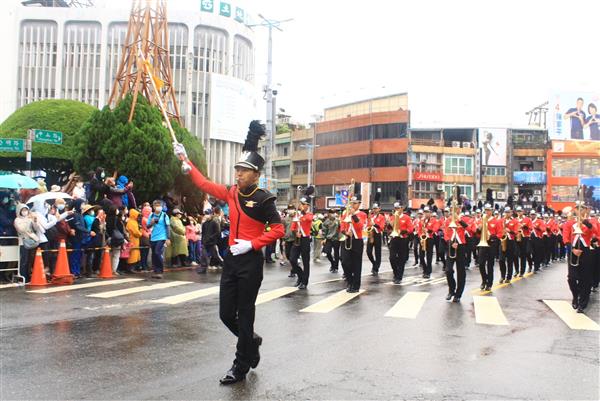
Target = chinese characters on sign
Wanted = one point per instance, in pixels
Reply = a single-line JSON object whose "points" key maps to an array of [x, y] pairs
{"points": [[12, 145], [44, 136], [423, 176]]}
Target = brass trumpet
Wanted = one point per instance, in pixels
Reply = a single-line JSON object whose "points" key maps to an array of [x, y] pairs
{"points": [[573, 259]]}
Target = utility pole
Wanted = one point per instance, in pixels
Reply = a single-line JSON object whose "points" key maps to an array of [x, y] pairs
{"points": [[270, 120]]}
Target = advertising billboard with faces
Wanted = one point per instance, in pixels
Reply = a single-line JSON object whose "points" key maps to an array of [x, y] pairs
{"points": [[574, 115]]}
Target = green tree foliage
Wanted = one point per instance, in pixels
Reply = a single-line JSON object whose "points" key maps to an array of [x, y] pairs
{"points": [[283, 128], [66, 116], [140, 150]]}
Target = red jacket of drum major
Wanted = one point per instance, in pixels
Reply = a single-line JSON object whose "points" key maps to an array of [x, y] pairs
{"points": [[357, 225], [242, 226], [305, 222]]}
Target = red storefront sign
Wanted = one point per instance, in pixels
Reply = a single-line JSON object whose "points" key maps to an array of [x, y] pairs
{"points": [[423, 176]]}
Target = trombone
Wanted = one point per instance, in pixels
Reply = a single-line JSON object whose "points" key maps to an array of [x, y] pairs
{"points": [[484, 233], [574, 259], [452, 252]]}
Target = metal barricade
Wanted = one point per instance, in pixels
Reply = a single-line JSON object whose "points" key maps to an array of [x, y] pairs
{"points": [[10, 251]]}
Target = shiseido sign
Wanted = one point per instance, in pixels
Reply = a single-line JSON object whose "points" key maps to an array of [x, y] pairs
{"points": [[422, 176]]}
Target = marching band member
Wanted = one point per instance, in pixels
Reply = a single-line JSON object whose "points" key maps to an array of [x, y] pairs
{"points": [[456, 240], [581, 236], [250, 208], [547, 241], [537, 240], [399, 241], [488, 254], [595, 220], [301, 248], [352, 248], [416, 243], [508, 251], [524, 244], [428, 227], [331, 227], [375, 226]]}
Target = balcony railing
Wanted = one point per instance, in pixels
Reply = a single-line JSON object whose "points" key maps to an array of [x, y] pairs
{"points": [[425, 142]]}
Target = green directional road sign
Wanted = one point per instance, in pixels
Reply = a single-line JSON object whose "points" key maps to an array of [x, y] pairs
{"points": [[12, 145], [44, 136]]}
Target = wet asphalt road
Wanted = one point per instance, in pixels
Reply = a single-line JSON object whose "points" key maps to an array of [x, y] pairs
{"points": [[67, 345]]}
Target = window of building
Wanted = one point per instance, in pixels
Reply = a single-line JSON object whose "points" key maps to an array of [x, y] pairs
{"points": [[389, 190], [324, 190], [300, 167], [591, 167], [300, 145], [464, 190], [566, 167], [496, 171], [282, 150], [458, 165], [525, 166], [529, 139], [381, 131], [425, 190], [363, 161], [564, 193]]}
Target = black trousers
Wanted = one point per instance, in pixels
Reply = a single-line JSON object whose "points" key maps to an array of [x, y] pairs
{"points": [[427, 255], [547, 251], [595, 267], [240, 282], [442, 251], [352, 263], [487, 254], [554, 246], [376, 245], [509, 260], [456, 287], [580, 278], [303, 251], [398, 256], [524, 254], [537, 251], [332, 250], [416, 246]]}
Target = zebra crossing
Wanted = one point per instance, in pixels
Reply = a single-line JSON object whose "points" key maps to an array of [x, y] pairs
{"points": [[487, 309]]}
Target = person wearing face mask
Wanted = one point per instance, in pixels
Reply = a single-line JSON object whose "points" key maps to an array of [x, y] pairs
{"points": [[79, 234], [79, 191], [7, 215], [98, 189], [91, 240], [40, 212], [159, 223], [26, 229]]}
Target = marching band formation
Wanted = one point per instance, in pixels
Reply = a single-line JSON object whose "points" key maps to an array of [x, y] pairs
{"points": [[519, 240]]}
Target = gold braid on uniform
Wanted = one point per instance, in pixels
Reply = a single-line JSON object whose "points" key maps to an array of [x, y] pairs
{"points": [[249, 195]]}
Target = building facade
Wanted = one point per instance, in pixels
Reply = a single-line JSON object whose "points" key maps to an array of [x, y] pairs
{"points": [[567, 162], [73, 53], [367, 142], [528, 149]]}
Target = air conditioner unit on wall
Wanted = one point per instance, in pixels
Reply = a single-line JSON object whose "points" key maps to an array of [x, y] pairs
{"points": [[540, 158], [537, 192], [440, 187], [466, 144], [456, 144], [500, 195]]}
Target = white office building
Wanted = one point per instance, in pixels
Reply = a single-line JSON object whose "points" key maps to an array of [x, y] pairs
{"points": [[74, 52]]}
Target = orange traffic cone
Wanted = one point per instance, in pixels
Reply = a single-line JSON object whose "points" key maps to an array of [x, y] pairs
{"points": [[62, 274], [38, 276], [106, 268]]}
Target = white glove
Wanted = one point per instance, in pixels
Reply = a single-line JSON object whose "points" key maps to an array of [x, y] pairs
{"points": [[179, 150], [241, 247]]}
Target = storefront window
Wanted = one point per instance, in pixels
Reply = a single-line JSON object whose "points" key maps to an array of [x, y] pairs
{"points": [[564, 193], [591, 167], [566, 167]]}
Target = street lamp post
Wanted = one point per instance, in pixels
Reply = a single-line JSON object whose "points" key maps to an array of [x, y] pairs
{"points": [[269, 123]]}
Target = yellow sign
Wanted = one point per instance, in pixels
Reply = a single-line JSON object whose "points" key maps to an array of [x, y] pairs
{"points": [[576, 147]]}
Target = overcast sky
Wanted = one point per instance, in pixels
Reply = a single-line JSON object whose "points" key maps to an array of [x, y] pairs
{"points": [[463, 63]]}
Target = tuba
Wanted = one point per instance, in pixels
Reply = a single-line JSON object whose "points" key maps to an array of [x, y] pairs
{"points": [[573, 259], [395, 233], [423, 237]]}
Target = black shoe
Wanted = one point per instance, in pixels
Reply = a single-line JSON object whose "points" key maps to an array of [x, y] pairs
{"points": [[488, 287], [374, 273], [449, 296], [298, 282], [397, 281], [482, 287], [580, 310], [594, 289], [456, 299], [256, 359], [426, 276], [291, 275], [232, 376], [352, 290], [575, 304], [302, 286], [334, 270], [269, 261], [502, 281]]}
